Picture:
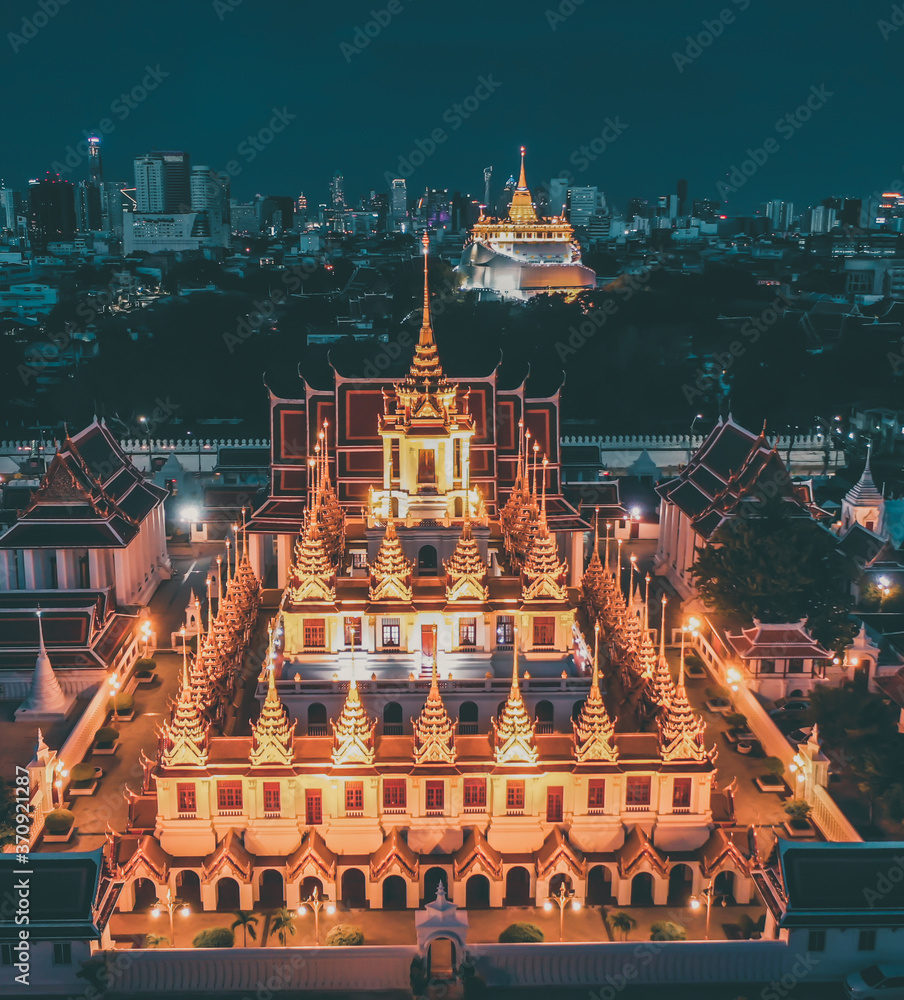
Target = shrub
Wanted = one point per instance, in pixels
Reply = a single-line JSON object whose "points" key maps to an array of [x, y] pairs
{"points": [[82, 776], [736, 720], [774, 767], [214, 937], [799, 810], [156, 941], [693, 661], [345, 936], [59, 821], [474, 985], [667, 930], [714, 691], [417, 975], [520, 932], [122, 703], [145, 663], [106, 737]]}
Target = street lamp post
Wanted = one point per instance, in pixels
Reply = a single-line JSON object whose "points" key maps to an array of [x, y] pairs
{"points": [[317, 903], [60, 772], [563, 898], [171, 903], [709, 894]]}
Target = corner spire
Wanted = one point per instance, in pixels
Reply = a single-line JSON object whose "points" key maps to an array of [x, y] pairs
{"points": [[513, 734], [353, 731], [593, 729], [680, 731], [272, 735], [434, 732], [184, 737]]}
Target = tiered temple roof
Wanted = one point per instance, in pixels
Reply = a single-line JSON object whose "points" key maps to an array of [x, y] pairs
{"points": [[434, 731], [353, 731], [513, 741], [465, 570], [184, 738], [680, 731], [390, 573], [271, 736]]}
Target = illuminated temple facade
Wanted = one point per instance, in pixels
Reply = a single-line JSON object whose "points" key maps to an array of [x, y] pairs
{"points": [[523, 255], [438, 693]]}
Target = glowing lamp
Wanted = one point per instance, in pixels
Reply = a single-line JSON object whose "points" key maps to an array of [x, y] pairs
{"points": [[695, 903], [302, 910], [547, 905], [185, 911], [575, 904], [155, 912]]}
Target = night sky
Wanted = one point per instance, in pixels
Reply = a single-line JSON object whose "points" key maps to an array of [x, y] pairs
{"points": [[229, 63]]}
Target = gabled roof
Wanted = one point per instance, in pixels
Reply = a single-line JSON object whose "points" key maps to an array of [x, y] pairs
{"points": [[393, 848], [777, 641], [230, 851], [721, 847], [636, 849], [725, 471], [145, 852], [91, 496], [312, 850], [476, 850], [557, 848]]}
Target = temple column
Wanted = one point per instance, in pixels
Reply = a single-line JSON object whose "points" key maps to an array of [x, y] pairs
{"points": [[283, 559], [209, 896], [577, 558], [256, 554]]}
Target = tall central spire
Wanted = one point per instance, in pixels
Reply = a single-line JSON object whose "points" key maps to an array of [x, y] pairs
{"points": [[522, 208], [426, 362]]}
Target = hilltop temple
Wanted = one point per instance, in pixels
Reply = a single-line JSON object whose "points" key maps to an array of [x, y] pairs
{"points": [[447, 695], [523, 255]]}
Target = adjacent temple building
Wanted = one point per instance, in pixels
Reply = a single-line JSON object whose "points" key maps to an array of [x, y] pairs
{"points": [[447, 695], [523, 254]]}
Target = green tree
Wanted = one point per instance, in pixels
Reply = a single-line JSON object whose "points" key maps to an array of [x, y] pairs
{"points": [[283, 924], [248, 922], [622, 922], [778, 568], [7, 813], [667, 930]]}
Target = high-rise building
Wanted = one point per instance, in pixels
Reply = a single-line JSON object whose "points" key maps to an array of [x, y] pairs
{"points": [[581, 204], [277, 213], [558, 196], [890, 211], [210, 194], [668, 207], [149, 184], [10, 208], [819, 219], [88, 206], [337, 191], [245, 217], [95, 166], [51, 209], [638, 208], [780, 215], [851, 212], [706, 209], [162, 182], [398, 203], [112, 203]]}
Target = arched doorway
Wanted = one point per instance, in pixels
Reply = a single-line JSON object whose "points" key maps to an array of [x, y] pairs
{"points": [[724, 884], [642, 889], [576, 710], [228, 894], [272, 891], [599, 886], [432, 879], [517, 887], [441, 959], [458, 507], [426, 560], [317, 725], [354, 889], [556, 883], [392, 719], [477, 893], [681, 880], [146, 893], [308, 885], [395, 893], [544, 717], [467, 719], [188, 889]]}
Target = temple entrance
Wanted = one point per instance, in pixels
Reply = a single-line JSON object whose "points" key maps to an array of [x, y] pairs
{"points": [[477, 893], [426, 560], [725, 885], [426, 467], [642, 890], [188, 889], [599, 886], [307, 887], [556, 883], [517, 887], [228, 895], [432, 880], [395, 894], [145, 894], [272, 894], [681, 880], [441, 959], [354, 889]]}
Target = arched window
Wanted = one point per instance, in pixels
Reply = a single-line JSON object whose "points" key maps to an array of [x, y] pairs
{"points": [[317, 719], [395, 893], [392, 719], [467, 719], [576, 710], [544, 717], [354, 889]]}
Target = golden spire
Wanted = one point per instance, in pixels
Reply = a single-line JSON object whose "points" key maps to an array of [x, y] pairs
{"points": [[663, 687], [353, 732], [522, 210], [593, 580], [593, 729], [184, 737], [680, 731], [272, 735], [465, 570], [390, 573], [514, 732], [311, 576], [434, 732], [544, 574]]}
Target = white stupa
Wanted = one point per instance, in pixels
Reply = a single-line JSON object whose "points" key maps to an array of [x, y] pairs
{"points": [[46, 701]]}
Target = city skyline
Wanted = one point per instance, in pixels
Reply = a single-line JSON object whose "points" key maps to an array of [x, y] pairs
{"points": [[488, 97]]}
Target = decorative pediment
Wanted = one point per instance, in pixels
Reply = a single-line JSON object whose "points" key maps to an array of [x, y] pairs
{"points": [[311, 857], [638, 852], [394, 851], [230, 855], [476, 853], [557, 854], [353, 731]]}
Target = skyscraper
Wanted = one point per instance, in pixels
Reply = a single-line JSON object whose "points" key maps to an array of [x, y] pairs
{"points": [[398, 202], [10, 207], [780, 214], [149, 194], [88, 206], [210, 194], [681, 191], [51, 209], [95, 166], [581, 204], [337, 191], [162, 182], [112, 203]]}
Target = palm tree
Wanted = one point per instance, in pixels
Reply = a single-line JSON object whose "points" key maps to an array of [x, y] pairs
{"points": [[623, 922], [283, 923], [156, 941], [248, 922]]}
